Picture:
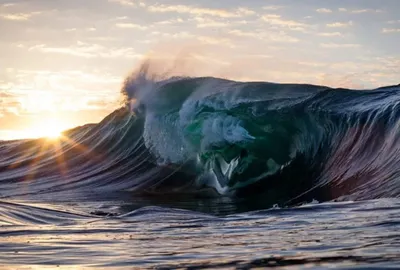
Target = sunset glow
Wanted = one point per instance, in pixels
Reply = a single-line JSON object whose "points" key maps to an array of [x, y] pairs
{"points": [[70, 58], [49, 128]]}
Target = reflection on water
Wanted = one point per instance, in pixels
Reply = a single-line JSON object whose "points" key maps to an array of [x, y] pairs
{"points": [[342, 235]]}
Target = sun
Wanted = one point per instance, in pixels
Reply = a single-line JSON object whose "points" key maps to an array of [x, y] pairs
{"points": [[52, 133], [46, 128]]}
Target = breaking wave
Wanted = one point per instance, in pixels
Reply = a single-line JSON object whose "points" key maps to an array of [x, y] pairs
{"points": [[280, 142]]}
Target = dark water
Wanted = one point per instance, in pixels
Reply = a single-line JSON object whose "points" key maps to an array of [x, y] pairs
{"points": [[205, 172], [345, 235]]}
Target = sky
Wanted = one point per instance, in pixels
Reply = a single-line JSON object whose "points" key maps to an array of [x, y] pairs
{"points": [[62, 63]]}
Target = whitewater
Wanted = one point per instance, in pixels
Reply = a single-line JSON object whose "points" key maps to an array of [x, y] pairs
{"points": [[204, 172]]}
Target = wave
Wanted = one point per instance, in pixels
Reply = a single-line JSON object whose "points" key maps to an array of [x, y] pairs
{"points": [[275, 142]]}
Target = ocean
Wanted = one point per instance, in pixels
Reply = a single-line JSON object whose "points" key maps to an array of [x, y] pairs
{"points": [[197, 173]]}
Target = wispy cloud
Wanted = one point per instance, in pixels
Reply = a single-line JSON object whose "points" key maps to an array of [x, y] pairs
{"points": [[340, 24], [202, 22], [239, 12], [18, 16], [176, 35], [330, 34], [96, 103], [244, 11], [286, 31], [390, 30], [241, 33], [324, 10], [131, 26], [272, 7], [277, 20], [129, 3], [339, 45], [170, 22], [280, 36], [7, 5], [216, 41], [82, 49], [359, 11]]}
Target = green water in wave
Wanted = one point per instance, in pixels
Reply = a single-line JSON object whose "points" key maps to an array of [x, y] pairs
{"points": [[259, 148]]}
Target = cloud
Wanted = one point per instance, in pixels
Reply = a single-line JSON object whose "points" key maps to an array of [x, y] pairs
{"points": [[69, 83], [178, 35], [99, 104], [212, 24], [241, 33], [7, 5], [239, 12], [359, 11], [265, 36], [277, 20], [324, 10], [340, 24], [128, 3], [272, 7], [171, 21], [202, 22], [245, 11], [312, 64], [339, 45], [8, 103], [390, 30], [131, 26], [248, 28], [330, 34], [4, 94], [216, 41], [4, 87], [18, 16], [82, 49]]}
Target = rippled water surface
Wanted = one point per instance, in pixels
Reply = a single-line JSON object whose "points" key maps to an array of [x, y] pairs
{"points": [[340, 235]]}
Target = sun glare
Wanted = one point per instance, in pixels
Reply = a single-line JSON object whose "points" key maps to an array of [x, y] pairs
{"points": [[50, 128]]}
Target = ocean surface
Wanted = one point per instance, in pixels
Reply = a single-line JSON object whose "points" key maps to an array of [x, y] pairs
{"points": [[197, 173]]}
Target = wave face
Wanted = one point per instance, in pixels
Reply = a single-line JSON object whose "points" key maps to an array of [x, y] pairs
{"points": [[281, 143]]}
